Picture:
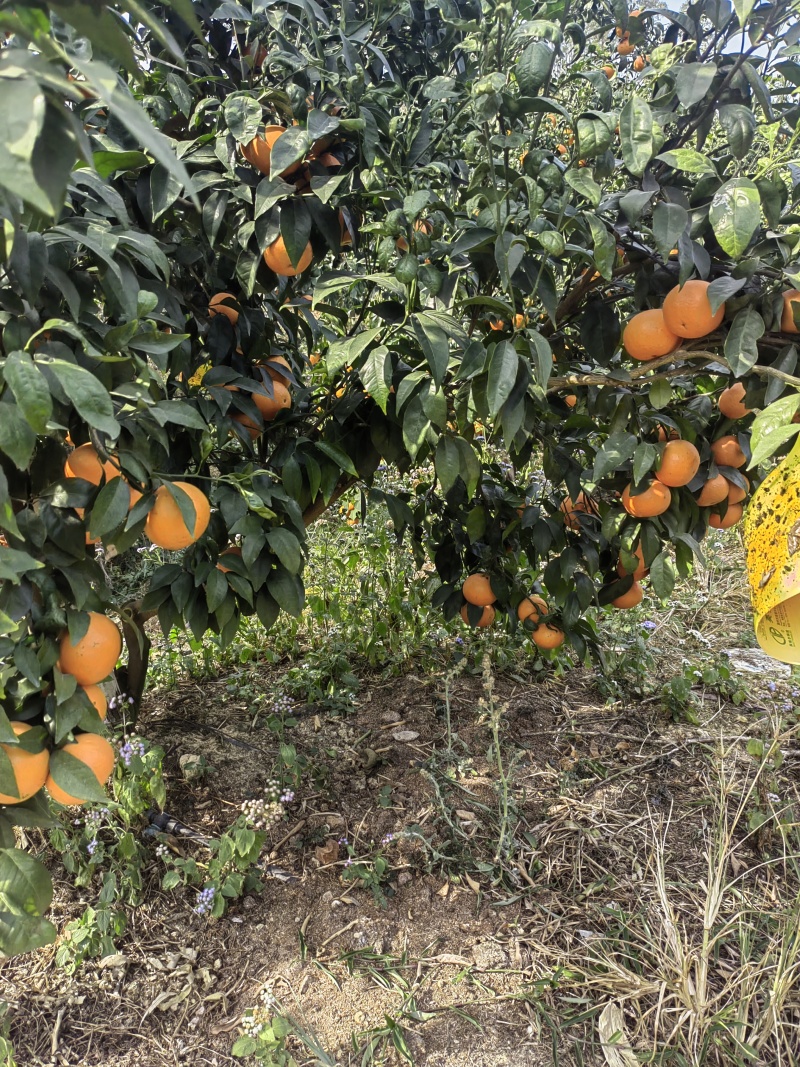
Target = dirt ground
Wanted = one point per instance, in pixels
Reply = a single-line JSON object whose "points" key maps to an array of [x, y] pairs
{"points": [[462, 953]]}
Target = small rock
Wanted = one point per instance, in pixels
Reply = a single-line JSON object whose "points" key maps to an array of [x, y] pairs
{"points": [[754, 661], [489, 955], [404, 877], [248, 903], [326, 897], [405, 735], [115, 960], [192, 766], [391, 716], [464, 815]]}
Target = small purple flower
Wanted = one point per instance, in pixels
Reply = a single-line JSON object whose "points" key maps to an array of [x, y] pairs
{"points": [[287, 797], [348, 862], [387, 838], [205, 901], [459, 640], [771, 686], [130, 749], [343, 841], [648, 625], [91, 848]]}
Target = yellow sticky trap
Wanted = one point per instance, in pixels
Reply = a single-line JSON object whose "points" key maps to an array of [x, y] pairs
{"points": [[772, 542]]}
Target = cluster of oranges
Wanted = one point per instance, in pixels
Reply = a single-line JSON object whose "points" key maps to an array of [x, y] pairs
{"points": [[268, 406], [532, 612], [626, 48], [258, 153], [89, 660], [165, 526]]}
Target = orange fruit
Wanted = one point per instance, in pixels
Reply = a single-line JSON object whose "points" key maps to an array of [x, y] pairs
{"points": [[641, 571], [687, 310], [731, 402], [653, 501], [477, 589], [221, 304], [259, 151], [234, 550], [787, 318], [570, 511], [547, 637], [622, 34], [735, 492], [277, 259], [164, 525], [95, 655], [531, 608], [730, 518], [84, 462], [638, 64], [713, 492], [680, 461], [609, 71], [249, 425], [98, 699], [624, 48], [662, 435], [561, 149], [631, 598], [30, 768], [570, 400], [520, 322], [272, 369], [727, 453], [646, 336], [486, 619], [98, 755], [269, 406]]}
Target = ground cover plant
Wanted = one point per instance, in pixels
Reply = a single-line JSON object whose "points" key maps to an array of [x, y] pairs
{"points": [[517, 282]]}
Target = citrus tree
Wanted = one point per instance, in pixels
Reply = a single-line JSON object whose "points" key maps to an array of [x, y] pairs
{"points": [[545, 250]]}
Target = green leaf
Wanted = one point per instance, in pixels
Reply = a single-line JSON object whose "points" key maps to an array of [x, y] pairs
{"points": [[743, 9], [581, 180], [660, 394], [741, 344], [694, 81], [111, 508], [287, 548], [605, 246], [740, 126], [616, 450], [88, 395], [74, 777], [107, 163], [342, 353], [242, 114], [735, 215], [772, 427], [662, 575], [644, 458], [216, 589], [376, 374], [434, 343], [338, 455], [101, 26], [288, 149], [688, 160], [503, 368], [165, 188], [533, 67], [636, 135], [287, 589], [542, 355], [594, 135], [455, 458], [30, 390], [26, 892], [17, 438], [669, 224]]}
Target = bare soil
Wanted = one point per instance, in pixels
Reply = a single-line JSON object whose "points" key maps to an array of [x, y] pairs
{"points": [[461, 950]]}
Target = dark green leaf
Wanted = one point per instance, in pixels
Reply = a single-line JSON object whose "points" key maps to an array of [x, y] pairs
{"points": [[111, 508], [694, 81], [735, 215], [503, 367], [669, 223], [30, 390], [89, 397], [636, 135], [17, 438], [741, 344]]}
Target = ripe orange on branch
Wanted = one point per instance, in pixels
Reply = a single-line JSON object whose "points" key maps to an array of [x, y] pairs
{"points": [[713, 492], [30, 768], [736, 493], [646, 505], [532, 607], [680, 462], [687, 310], [165, 525], [98, 755], [727, 452], [630, 599], [277, 259], [730, 518], [731, 402], [787, 317], [222, 304], [477, 589], [84, 462], [259, 151], [547, 637], [486, 619], [647, 336], [94, 656]]}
